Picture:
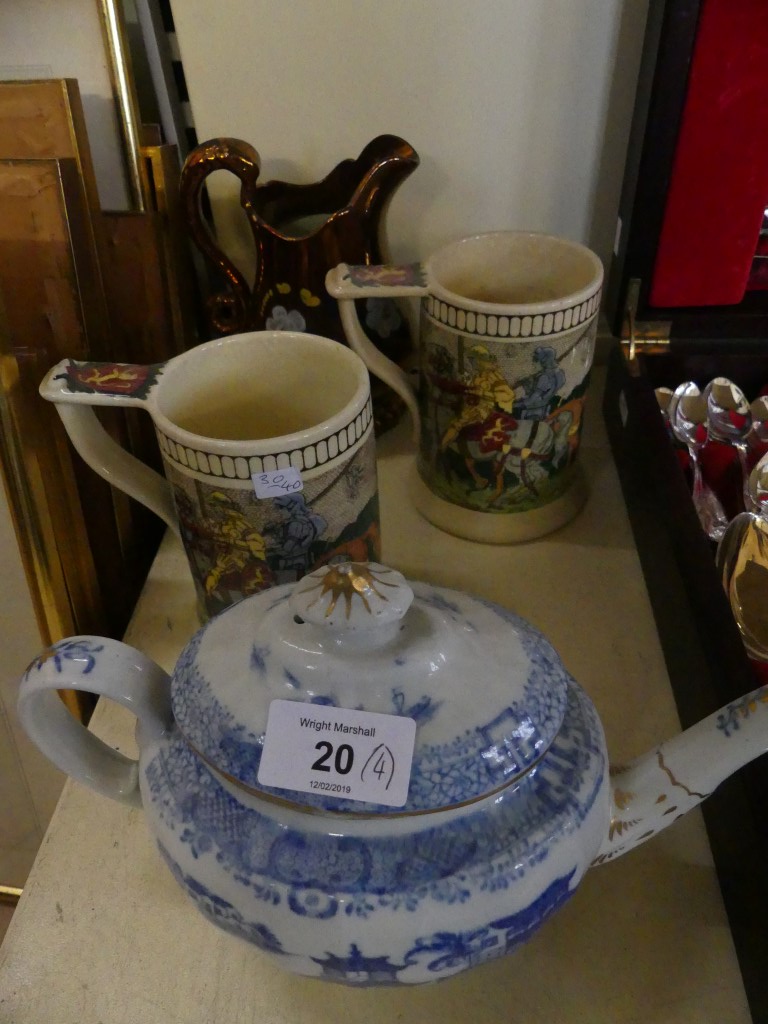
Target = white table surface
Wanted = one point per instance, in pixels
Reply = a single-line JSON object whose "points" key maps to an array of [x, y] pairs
{"points": [[103, 935]]}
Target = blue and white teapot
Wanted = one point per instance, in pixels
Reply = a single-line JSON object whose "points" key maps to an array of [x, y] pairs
{"points": [[374, 782]]}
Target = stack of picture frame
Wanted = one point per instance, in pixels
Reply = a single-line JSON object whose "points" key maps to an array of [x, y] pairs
{"points": [[79, 282]]}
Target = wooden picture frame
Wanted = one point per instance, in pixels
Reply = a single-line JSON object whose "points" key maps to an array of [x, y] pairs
{"points": [[87, 547]]}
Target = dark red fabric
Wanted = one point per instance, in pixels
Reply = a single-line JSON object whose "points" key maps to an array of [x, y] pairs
{"points": [[719, 184], [721, 469], [758, 277]]}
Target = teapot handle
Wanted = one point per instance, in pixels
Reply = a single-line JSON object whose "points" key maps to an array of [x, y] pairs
{"points": [[228, 312], [346, 284], [106, 667]]}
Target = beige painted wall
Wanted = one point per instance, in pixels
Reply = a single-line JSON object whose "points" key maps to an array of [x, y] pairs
{"points": [[519, 109]]}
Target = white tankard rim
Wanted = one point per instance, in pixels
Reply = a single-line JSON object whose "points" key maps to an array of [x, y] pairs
{"points": [[590, 268], [325, 347]]}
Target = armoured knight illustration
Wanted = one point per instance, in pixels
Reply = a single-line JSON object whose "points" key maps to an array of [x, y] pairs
{"points": [[536, 403], [487, 392], [291, 540]]}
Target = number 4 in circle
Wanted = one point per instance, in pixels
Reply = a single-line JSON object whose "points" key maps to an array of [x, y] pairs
{"points": [[381, 764]]}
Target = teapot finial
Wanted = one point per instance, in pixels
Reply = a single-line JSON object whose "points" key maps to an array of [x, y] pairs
{"points": [[352, 596]]}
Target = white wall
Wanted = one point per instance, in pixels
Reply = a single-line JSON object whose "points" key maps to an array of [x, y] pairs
{"points": [[519, 109]]}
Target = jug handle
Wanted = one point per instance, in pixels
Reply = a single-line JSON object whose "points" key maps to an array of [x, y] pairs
{"points": [[347, 283], [64, 386], [228, 312], [108, 668]]}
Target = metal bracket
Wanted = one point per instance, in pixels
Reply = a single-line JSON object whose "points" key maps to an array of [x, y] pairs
{"points": [[9, 894], [646, 337]]}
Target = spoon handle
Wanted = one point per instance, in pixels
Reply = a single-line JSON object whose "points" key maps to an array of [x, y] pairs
{"points": [[742, 451], [711, 514]]}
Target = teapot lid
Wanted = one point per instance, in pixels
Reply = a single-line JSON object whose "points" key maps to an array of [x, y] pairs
{"points": [[486, 691]]}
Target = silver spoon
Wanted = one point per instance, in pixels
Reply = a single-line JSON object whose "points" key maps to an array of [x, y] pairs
{"points": [[664, 397], [759, 413], [730, 420], [742, 562], [688, 419], [758, 487]]}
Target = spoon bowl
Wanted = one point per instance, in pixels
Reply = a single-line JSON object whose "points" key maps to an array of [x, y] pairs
{"points": [[664, 397], [742, 562], [728, 411], [729, 419]]}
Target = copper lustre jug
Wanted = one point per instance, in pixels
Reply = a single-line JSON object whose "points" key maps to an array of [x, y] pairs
{"points": [[300, 232]]}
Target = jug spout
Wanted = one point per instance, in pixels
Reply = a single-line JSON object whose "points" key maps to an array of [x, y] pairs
{"points": [[659, 787], [380, 169]]}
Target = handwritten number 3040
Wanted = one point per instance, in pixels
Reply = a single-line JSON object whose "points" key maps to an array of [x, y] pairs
{"points": [[278, 482]]}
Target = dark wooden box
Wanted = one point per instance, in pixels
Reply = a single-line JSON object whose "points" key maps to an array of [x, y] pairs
{"points": [[706, 660], [695, 192]]}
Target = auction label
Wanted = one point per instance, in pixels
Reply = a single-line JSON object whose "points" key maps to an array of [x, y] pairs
{"points": [[276, 483], [338, 752]]}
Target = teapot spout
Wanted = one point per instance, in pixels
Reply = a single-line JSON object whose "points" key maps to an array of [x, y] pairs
{"points": [[658, 788]]}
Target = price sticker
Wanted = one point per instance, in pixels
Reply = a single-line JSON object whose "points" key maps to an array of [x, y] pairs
{"points": [[338, 752], [276, 483]]}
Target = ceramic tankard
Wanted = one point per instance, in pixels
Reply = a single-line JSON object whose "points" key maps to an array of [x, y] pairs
{"points": [[508, 324], [268, 450]]}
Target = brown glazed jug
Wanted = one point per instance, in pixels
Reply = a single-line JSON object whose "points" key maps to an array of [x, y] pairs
{"points": [[300, 232]]}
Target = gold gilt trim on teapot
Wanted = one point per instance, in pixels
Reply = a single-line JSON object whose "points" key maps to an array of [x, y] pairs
{"points": [[353, 578], [352, 596], [651, 813]]}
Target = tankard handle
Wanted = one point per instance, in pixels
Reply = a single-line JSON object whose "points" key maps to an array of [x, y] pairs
{"points": [[347, 283], [106, 667], [75, 387]]}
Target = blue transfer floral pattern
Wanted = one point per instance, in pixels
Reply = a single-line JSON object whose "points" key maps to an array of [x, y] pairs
{"points": [[76, 653], [476, 762], [486, 849], [380, 902], [220, 911], [730, 718], [456, 951], [320, 877]]}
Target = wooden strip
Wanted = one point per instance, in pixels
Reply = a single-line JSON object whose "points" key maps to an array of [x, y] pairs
{"points": [[39, 272], [44, 120]]}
